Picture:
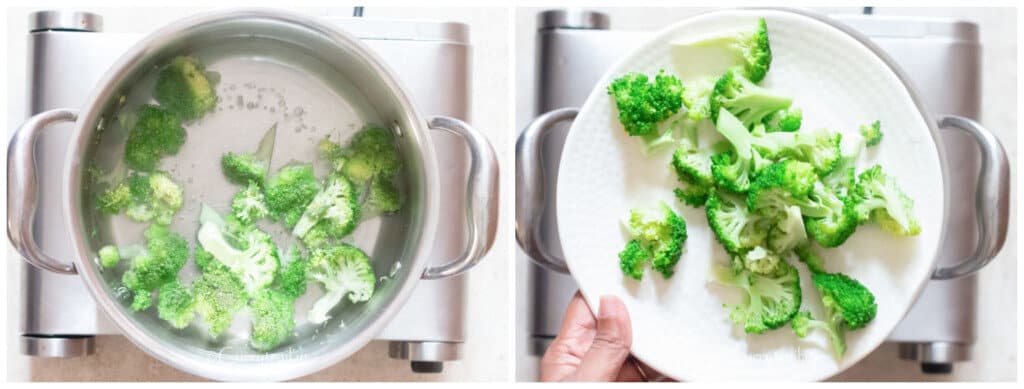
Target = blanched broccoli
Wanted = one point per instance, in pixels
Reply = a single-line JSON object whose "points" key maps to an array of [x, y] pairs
{"points": [[788, 120], [829, 219], [109, 256], [289, 192], [291, 279], [642, 104], [249, 204], [848, 305], [633, 259], [219, 294], [750, 103], [734, 169], [334, 211], [370, 153], [659, 232], [343, 270], [820, 148], [748, 51], [815, 263], [878, 198], [693, 170], [735, 227], [176, 305], [769, 301], [760, 261], [696, 96], [273, 319], [383, 196], [844, 176], [244, 168], [151, 197], [788, 230], [835, 219], [155, 265], [250, 253], [156, 134], [184, 89], [872, 133]]}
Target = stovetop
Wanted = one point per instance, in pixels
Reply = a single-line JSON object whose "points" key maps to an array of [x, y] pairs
{"points": [[942, 58], [60, 319]]}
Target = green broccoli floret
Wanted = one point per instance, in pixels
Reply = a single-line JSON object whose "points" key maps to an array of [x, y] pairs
{"points": [[383, 196], [249, 204], [693, 170], [734, 169], [164, 255], [788, 120], [335, 210], [803, 323], [243, 168], [872, 133], [838, 222], [735, 227], [343, 270], [769, 302], [748, 51], [154, 197], [219, 294], [696, 96], [828, 219], [661, 233], [820, 148], [250, 253], [750, 103], [114, 200], [273, 319], [633, 258], [815, 263], [176, 305], [289, 192], [760, 261], [291, 279], [878, 198], [156, 134], [371, 153], [642, 104], [184, 89], [109, 256], [787, 229], [203, 258], [848, 305], [844, 176]]}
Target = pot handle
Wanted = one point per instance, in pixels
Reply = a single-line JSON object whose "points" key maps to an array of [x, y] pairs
{"points": [[22, 190], [992, 202], [481, 198], [531, 196]]}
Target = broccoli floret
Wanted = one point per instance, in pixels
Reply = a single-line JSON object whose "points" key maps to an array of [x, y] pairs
{"points": [[828, 219], [838, 222], [153, 197], [760, 261], [219, 294], [693, 170], [803, 323], [878, 198], [769, 302], [184, 89], [247, 251], [749, 51], [633, 258], [661, 233], [249, 204], [273, 319], [750, 103], [848, 305], [787, 231], [335, 210], [383, 196], [114, 200], [784, 121], [734, 169], [371, 153], [872, 133], [642, 104], [815, 263], [844, 176], [289, 192], [291, 280], [695, 98], [156, 134], [343, 270], [243, 168], [820, 148], [176, 305], [203, 258], [735, 227], [109, 256], [164, 255]]}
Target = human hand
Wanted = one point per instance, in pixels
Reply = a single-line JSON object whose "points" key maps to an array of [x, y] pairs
{"points": [[592, 349]]}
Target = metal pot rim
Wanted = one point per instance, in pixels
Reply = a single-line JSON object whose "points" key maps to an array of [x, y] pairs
{"points": [[284, 368]]}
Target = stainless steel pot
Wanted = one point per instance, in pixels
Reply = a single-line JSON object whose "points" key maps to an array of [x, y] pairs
{"points": [[333, 57]]}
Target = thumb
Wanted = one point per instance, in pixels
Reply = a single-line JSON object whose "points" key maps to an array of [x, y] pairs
{"points": [[612, 341]]}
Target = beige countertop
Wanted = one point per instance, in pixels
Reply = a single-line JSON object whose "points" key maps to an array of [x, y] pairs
{"points": [[995, 353], [485, 354]]}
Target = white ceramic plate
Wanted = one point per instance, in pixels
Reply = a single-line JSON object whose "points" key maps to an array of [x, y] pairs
{"points": [[679, 325]]}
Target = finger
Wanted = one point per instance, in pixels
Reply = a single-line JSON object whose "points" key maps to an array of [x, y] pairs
{"points": [[563, 356], [612, 341]]}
